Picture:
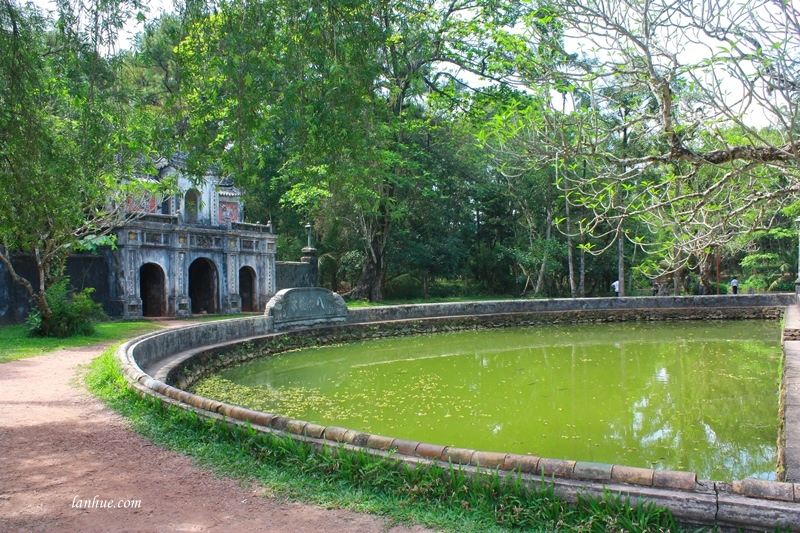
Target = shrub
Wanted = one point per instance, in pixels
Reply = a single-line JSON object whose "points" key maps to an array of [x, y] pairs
{"points": [[350, 266], [447, 289], [757, 281], [73, 314], [723, 288], [782, 285], [404, 286]]}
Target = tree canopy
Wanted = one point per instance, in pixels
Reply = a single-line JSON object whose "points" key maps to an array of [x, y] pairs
{"points": [[69, 137], [543, 147], [685, 113]]}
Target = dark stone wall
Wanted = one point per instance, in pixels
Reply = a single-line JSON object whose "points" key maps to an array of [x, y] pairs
{"points": [[84, 271], [290, 275], [96, 271], [14, 301]]}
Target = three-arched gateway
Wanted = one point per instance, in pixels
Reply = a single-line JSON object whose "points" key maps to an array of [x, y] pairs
{"points": [[152, 285], [247, 289], [184, 252], [203, 286], [191, 252]]}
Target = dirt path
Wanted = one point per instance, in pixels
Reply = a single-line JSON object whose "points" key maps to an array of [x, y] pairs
{"points": [[60, 447]]}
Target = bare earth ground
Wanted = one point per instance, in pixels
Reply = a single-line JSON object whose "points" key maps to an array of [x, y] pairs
{"points": [[58, 445]]}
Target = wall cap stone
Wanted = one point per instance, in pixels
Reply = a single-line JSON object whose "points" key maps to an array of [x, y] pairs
{"points": [[305, 307]]}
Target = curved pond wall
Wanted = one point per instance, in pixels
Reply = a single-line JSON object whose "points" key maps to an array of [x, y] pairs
{"points": [[161, 365]]}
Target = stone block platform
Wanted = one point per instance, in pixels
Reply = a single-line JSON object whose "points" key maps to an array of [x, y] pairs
{"points": [[791, 395]]}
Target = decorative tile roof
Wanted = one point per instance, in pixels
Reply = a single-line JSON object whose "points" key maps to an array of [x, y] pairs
{"points": [[226, 187]]}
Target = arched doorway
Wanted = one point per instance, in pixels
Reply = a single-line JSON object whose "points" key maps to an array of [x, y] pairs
{"points": [[192, 203], [152, 289], [203, 288], [247, 289]]}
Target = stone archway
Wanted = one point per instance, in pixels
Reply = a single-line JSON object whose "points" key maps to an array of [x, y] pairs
{"points": [[203, 286], [247, 289], [152, 288], [192, 206]]}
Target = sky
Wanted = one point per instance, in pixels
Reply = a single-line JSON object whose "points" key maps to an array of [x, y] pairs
{"points": [[154, 9]]}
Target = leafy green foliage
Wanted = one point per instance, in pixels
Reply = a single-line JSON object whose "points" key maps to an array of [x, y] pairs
{"points": [[72, 314], [339, 99], [70, 136], [359, 117], [652, 138]]}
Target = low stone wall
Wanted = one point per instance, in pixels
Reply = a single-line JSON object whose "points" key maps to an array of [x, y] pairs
{"points": [[158, 347], [749, 504], [692, 306]]}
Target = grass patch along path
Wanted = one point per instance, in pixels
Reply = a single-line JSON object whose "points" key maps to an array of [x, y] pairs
{"points": [[15, 344], [63, 450]]}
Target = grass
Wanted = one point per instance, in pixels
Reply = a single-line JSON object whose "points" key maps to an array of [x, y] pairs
{"points": [[439, 498], [15, 344]]}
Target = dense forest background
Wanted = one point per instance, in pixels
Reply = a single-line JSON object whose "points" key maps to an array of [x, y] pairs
{"points": [[438, 148]]}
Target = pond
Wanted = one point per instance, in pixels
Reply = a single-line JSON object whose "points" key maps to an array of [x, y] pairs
{"points": [[695, 396]]}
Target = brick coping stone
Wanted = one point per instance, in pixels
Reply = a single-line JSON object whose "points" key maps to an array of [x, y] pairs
{"points": [[195, 351]]}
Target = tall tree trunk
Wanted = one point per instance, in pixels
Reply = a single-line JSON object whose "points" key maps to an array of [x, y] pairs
{"points": [[630, 278], [676, 281], [573, 289], [621, 231], [621, 260], [677, 276], [373, 273], [39, 297], [582, 283], [705, 274], [370, 284], [540, 280]]}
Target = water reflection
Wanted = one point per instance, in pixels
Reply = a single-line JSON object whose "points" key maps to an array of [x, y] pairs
{"points": [[695, 396]]}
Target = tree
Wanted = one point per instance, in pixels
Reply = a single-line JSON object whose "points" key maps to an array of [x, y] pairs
{"points": [[66, 155], [702, 72], [346, 88]]}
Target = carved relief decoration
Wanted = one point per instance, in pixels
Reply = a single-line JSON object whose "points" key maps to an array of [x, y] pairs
{"points": [[228, 211], [305, 306]]}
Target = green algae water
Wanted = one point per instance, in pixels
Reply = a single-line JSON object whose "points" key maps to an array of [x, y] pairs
{"points": [[696, 396]]}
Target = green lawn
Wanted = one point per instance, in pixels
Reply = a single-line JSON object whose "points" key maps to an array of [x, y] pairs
{"points": [[15, 344]]}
